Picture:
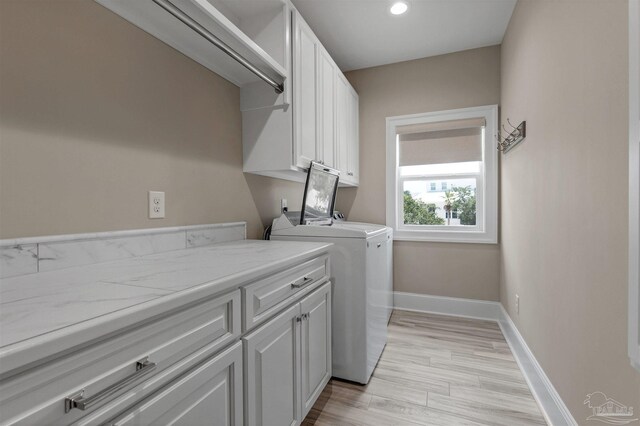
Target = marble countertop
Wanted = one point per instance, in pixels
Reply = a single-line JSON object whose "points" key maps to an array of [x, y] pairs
{"points": [[46, 313]]}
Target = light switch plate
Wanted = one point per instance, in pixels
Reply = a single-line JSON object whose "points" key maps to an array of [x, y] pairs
{"points": [[156, 205]]}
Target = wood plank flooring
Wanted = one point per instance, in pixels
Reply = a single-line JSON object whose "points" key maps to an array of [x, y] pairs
{"points": [[435, 370]]}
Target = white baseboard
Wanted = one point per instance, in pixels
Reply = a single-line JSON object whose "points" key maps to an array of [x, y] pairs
{"points": [[469, 308], [553, 408]]}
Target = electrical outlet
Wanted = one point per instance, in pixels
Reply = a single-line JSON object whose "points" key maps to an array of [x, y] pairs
{"points": [[156, 205], [283, 205], [517, 304]]}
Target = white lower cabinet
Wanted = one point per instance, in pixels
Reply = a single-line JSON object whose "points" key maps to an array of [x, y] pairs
{"points": [[193, 366], [108, 377], [288, 362], [316, 345], [272, 355], [210, 394]]}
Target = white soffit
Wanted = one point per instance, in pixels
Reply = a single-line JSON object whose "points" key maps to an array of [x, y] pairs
{"points": [[363, 33]]}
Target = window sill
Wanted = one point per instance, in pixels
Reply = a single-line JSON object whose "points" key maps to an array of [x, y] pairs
{"points": [[445, 237]]}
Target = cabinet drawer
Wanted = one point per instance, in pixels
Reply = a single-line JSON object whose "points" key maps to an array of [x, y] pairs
{"points": [[108, 369], [210, 394], [264, 298]]}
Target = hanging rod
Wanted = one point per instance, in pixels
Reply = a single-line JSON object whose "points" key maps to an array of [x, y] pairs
{"points": [[202, 31]]}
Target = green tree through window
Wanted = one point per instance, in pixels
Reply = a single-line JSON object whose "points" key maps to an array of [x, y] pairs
{"points": [[417, 212], [464, 202]]}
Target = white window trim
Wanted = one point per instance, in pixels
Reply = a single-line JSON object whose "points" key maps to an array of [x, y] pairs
{"points": [[487, 183]]}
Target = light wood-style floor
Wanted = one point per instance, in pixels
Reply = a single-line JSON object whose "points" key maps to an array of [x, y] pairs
{"points": [[435, 370]]}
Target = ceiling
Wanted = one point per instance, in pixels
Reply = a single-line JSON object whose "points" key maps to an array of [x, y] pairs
{"points": [[362, 33]]}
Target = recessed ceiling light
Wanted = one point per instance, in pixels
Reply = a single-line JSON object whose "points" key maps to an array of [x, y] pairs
{"points": [[398, 8]]}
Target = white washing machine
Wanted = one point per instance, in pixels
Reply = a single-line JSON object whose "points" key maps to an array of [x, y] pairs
{"points": [[362, 277]]}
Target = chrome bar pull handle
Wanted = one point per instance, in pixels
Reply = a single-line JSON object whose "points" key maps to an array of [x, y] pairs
{"points": [[143, 367], [301, 282]]}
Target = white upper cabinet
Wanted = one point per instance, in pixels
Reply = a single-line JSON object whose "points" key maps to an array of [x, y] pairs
{"points": [[327, 75], [311, 117], [347, 140], [280, 140], [314, 106], [306, 99], [353, 138], [342, 132]]}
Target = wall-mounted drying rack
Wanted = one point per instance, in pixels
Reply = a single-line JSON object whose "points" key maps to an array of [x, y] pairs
{"points": [[513, 138]]}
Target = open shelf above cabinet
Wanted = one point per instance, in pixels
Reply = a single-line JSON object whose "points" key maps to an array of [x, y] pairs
{"points": [[257, 34], [297, 106]]}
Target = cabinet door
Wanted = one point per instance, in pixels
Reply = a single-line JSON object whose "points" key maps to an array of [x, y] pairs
{"points": [[326, 108], [304, 86], [342, 132], [211, 394], [316, 345], [347, 131], [272, 357], [354, 130]]}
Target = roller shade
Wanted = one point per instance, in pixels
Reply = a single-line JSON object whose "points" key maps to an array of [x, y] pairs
{"points": [[441, 125], [441, 142]]}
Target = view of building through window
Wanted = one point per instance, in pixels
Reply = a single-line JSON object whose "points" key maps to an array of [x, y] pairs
{"points": [[437, 200]]}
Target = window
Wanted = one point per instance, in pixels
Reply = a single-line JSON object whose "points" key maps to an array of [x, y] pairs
{"points": [[454, 151]]}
